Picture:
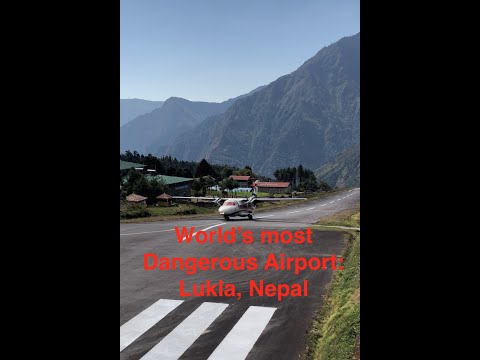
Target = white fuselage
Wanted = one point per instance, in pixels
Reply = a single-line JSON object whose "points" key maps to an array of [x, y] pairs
{"points": [[236, 207]]}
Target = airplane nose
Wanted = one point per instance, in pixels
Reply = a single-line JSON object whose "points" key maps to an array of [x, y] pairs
{"points": [[225, 209]]}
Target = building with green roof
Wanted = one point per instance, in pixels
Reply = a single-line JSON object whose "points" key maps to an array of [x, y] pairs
{"points": [[126, 165], [177, 186]]}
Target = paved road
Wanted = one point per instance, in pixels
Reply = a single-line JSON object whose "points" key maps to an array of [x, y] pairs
{"points": [[157, 323]]}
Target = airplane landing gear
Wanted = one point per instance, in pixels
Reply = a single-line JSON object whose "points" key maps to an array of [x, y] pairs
{"points": [[226, 217], [250, 217]]}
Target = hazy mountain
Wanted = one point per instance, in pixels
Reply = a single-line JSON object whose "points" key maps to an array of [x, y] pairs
{"points": [[306, 117], [343, 170], [131, 108], [161, 125], [154, 131]]}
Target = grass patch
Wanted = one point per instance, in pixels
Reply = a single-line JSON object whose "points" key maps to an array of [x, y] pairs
{"points": [[335, 328], [349, 218], [135, 213], [158, 213]]}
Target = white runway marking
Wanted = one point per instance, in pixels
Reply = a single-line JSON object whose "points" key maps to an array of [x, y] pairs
{"points": [[208, 228], [261, 217], [241, 339], [211, 227], [146, 232], [311, 209], [184, 335], [292, 212], [135, 327], [324, 205], [156, 231], [331, 202]]}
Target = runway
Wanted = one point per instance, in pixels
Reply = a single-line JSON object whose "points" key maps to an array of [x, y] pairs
{"points": [[157, 323]]}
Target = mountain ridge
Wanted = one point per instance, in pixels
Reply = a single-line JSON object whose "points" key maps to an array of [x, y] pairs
{"points": [[154, 131], [344, 170], [131, 108], [308, 116]]}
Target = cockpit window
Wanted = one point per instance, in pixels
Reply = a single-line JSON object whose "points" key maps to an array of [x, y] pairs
{"points": [[230, 203]]}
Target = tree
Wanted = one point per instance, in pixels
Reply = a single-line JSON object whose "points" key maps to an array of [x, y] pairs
{"points": [[141, 187], [286, 174], [235, 184], [198, 186], [128, 156], [172, 171], [155, 188], [132, 177], [208, 182], [323, 186], [246, 171], [226, 172], [185, 173], [228, 184], [309, 184], [301, 178], [204, 169], [300, 174]]}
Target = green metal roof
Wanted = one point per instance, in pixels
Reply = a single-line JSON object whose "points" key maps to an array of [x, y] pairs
{"points": [[168, 180], [125, 165]]}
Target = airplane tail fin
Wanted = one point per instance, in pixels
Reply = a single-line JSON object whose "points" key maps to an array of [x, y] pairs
{"points": [[252, 198]]}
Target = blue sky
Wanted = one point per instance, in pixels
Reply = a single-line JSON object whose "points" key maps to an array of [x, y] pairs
{"points": [[213, 50]]}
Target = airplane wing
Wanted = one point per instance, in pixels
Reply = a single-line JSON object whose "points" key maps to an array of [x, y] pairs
{"points": [[259, 199], [204, 198], [194, 197], [277, 199]]}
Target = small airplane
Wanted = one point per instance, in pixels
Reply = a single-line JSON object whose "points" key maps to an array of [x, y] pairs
{"points": [[242, 207]]}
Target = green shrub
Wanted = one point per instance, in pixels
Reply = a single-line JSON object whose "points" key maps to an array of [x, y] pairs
{"points": [[140, 213], [186, 212], [336, 326]]}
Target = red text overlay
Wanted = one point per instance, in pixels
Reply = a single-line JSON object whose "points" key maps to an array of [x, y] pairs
{"points": [[263, 266]]}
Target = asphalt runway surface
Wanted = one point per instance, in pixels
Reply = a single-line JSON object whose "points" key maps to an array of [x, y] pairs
{"points": [[156, 322]]}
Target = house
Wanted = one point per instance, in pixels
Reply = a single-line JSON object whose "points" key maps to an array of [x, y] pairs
{"points": [[137, 199], [164, 200], [274, 187], [243, 180]]}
